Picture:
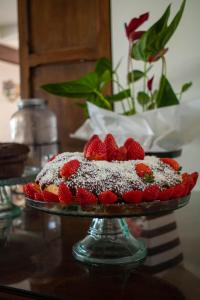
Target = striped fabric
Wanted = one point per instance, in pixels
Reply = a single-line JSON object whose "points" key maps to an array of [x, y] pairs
{"points": [[160, 234]]}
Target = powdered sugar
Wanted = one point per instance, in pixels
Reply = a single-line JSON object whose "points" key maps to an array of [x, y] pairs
{"points": [[98, 176]]}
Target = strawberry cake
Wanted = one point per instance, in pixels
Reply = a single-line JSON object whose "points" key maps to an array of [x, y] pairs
{"points": [[106, 174]]}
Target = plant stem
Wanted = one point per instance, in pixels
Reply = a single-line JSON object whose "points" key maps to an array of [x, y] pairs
{"points": [[145, 77], [104, 100], [144, 83], [180, 96], [164, 66], [130, 69], [120, 87]]}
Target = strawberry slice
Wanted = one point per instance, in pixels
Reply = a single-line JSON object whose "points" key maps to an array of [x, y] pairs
{"points": [[30, 189], [194, 177], [111, 147], [179, 191], [88, 143], [85, 197], [165, 194], [134, 196], [39, 196], [64, 194], [187, 181], [96, 150], [128, 142], [171, 162], [134, 150], [120, 154], [50, 197], [107, 197], [144, 172], [69, 168], [151, 193]]}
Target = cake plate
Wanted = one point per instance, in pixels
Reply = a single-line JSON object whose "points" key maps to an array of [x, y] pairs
{"points": [[7, 208], [109, 241]]}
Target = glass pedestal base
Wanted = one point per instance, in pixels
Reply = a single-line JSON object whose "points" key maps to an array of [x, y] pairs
{"points": [[109, 242]]}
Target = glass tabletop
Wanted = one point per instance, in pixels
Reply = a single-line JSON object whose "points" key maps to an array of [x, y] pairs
{"points": [[36, 261]]}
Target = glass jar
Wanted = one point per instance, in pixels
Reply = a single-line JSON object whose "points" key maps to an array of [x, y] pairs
{"points": [[35, 125]]}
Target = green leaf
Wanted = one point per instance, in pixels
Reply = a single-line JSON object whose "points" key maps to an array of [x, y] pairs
{"points": [[143, 98], [105, 78], [186, 86], [156, 37], [135, 75], [81, 88], [84, 108], [155, 32], [155, 93], [120, 96], [130, 112], [166, 95], [103, 64], [174, 24], [148, 42], [150, 106]]}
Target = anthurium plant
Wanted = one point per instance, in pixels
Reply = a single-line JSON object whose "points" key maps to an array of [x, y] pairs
{"points": [[148, 46]]}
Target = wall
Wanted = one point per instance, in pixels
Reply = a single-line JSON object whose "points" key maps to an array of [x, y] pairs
{"points": [[7, 71], [183, 57]]}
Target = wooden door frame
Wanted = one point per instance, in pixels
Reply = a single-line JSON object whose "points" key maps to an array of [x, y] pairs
{"points": [[9, 54], [31, 60]]}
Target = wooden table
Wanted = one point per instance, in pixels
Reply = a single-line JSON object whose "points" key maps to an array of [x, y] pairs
{"points": [[36, 262]]}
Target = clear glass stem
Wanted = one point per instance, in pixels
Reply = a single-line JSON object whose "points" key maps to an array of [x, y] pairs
{"points": [[109, 242]]}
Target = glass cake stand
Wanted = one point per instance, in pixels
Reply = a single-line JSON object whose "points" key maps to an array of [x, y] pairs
{"points": [[109, 241], [7, 208]]}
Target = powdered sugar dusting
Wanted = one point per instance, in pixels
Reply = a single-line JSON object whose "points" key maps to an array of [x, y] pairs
{"points": [[98, 176]]}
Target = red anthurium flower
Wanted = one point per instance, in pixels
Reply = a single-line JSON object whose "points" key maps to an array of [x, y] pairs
{"points": [[133, 25], [157, 56], [149, 83]]}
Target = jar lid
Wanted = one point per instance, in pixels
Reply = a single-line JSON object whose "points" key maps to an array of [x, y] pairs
{"points": [[31, 102]]}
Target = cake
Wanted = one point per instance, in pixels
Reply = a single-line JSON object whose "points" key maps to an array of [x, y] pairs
{"points": [[105, 174], [12, 159]]}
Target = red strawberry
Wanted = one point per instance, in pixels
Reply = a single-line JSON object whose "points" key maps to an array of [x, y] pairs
{"points": [[30, 189], [128, 142], [144, 172], [194, 177], [134, 150], [50, 197], [119, 154], [69, 168], [187, 181], [151, 192], [179, 190], [107, 197], [111, 147], [134, 196], [165, 194], [172, 163], [96, 150], [85, 197], [88, 143], [64, 193], [39, 196]]}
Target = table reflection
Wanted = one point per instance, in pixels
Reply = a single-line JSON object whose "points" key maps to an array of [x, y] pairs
{"points": [[37, 258]]}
